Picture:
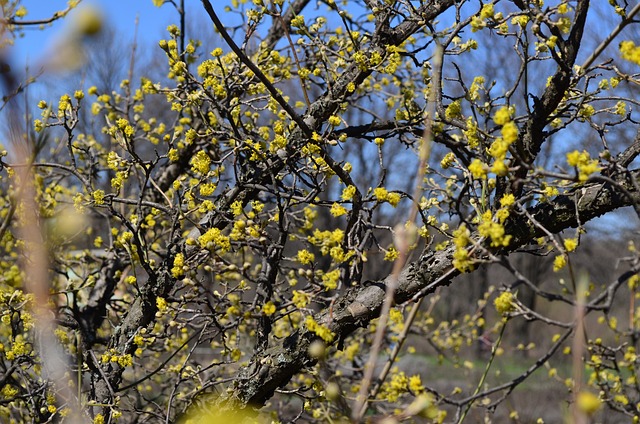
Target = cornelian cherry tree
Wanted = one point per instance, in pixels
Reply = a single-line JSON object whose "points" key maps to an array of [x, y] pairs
{"points": [[313, 185]]}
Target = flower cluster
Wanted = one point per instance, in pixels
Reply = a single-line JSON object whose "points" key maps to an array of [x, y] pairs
{"points": [[320, 330], [494, 230], [582, 161], [505, 303]]}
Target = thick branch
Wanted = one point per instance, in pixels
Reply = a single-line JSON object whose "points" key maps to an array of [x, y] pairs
{"points": [[533, 137], [358, 306]]}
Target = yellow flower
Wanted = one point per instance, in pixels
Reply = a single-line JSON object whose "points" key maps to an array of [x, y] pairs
{"points": [[575, 157], [502, 214], [348, 192], [630, 52], [393, 199], [330, 279], [502, 115], [478, 169], [269, 308], [381, 194], [586, 111], [489, 228], [98, 197], [214, 237], [453, 110], [559, 262], [520, 20], [477, 23], [507, 200], [21, 12], [570, 244], [298, 21], [201, 162], [415, 384], [499, 168], [391, 255], [581, 160], [505, 303], [487, 11], [320, 330], [550, 191], [300, 299], [337, 209], [173, 155], [178, 263], [161, 304], [447, 160], [510, 132], [305, 257]]}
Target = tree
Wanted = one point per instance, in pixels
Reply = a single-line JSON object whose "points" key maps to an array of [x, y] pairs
{"points": [[269, 238]]}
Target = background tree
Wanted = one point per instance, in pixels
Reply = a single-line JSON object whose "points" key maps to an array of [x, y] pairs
{"points": [[282, 222]]}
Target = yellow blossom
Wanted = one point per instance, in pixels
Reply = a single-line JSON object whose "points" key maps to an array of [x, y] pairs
{"points": [[305, 257], [201, 162], [478, 169], [98, 197], [178, 263], [494, 230], [337, 209], [320, 330], [269, 308], [161, 304], [559, 262], [214, 238], [393, 199], [348, 193], [447, 160], [629, 51], [505, 303], [453, 110], [585, 165], [570, 244], [381, 193], [300, 299], [510, 132], [487, 11], [330, 279], [391, 254], [503, 115]]}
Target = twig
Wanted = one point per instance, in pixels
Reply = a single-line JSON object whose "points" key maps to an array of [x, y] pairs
{"points": [[278, 14], [603, 45], [57, 15], [494, 349], [252, 66]]}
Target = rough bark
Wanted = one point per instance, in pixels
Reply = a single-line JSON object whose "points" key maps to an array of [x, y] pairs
{"points": [[358, 306]]}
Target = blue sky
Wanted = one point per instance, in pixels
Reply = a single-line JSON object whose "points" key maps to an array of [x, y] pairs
{"points": [[120, 13]]}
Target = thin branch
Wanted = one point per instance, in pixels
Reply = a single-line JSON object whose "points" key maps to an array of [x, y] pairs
{"points": [[254, 68], [603, 45]]}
